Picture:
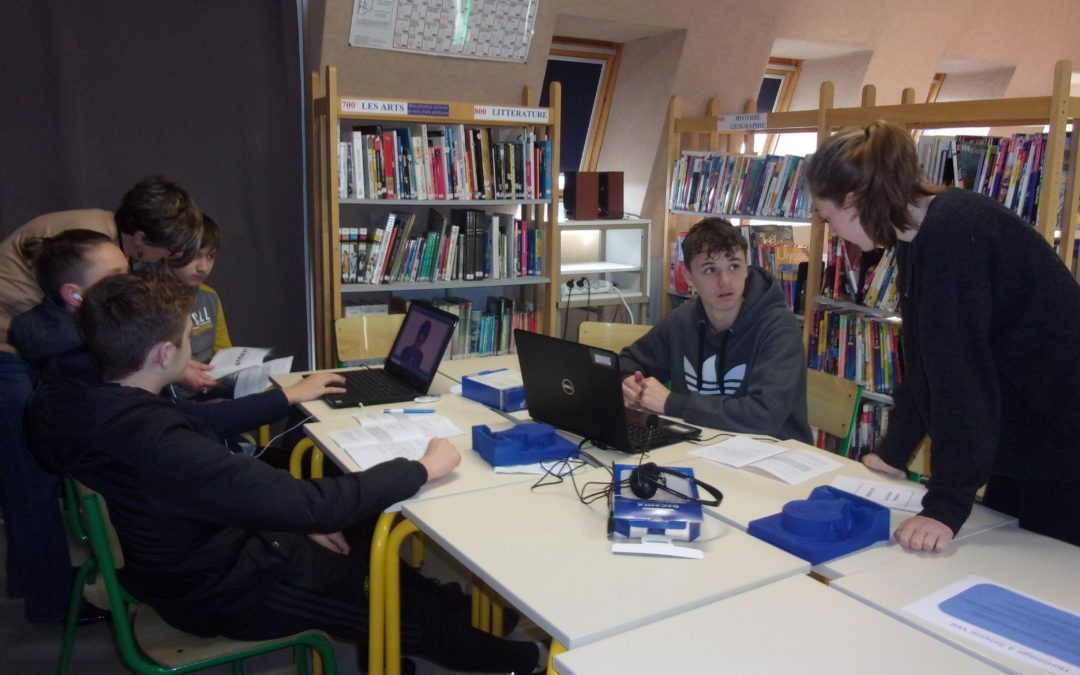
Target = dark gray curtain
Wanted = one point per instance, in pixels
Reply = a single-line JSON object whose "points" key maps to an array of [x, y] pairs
{"points": [[94, 95]]}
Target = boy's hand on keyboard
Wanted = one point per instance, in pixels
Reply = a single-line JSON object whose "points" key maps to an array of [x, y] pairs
{"points": [[440, 458], [313, 386]]}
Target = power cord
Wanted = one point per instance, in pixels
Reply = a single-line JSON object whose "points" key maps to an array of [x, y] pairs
{"points": [[260, 451]]}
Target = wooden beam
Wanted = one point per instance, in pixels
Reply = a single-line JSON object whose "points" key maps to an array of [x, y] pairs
{"points": [[817, 227]]}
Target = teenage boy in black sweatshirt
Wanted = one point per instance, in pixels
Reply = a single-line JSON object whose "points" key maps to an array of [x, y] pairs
{"points": [[733, 355], [219, 543]]}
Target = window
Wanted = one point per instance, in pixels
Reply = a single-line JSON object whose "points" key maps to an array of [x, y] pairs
{"points": [[587, 70], [775, 96]]}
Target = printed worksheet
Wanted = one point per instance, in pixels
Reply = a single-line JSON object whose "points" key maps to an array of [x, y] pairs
{"points": [[907, 497], [382, 437], [496, 30]]}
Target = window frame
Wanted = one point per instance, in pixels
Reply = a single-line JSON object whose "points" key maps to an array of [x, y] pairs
{"points": [[609, 56]]}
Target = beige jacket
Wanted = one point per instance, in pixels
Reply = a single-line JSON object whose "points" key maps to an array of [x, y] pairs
{"points": [[18, 288]]}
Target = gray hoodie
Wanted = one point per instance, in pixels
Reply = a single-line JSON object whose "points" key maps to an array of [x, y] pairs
{"points": [[761, 358]]}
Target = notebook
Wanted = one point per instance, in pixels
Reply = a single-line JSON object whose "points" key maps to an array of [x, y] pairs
{"points": [[578, 388], [411, 366]]}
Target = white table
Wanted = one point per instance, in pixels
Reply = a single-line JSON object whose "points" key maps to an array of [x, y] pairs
{"points": [[749, 495], [795, 625], [548, 555], [1025, 562]]}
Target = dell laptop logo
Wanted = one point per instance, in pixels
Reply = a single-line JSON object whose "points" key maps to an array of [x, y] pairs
{"points": [[568, 387]]}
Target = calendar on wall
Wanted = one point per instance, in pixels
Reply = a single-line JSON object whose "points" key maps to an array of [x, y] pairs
{"points": [[498, 30]]}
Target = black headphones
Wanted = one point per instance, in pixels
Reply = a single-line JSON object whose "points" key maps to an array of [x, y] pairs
{"points": [[646, 479]]}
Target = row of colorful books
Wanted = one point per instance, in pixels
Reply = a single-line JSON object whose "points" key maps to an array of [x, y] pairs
{"points": [[865, 349], [870, 427], [773, 248], [1007, 169], [769, 186], [444, 162], [868, 278], [472, 245]]}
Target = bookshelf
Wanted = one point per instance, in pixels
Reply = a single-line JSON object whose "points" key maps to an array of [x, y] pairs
{"points": [[1056, 111], [731, 136], [614, 251], [417, 183]]}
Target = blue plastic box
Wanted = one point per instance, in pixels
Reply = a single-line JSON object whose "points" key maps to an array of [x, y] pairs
{"points": [[526, 443], [664, 515], [500, 389]]}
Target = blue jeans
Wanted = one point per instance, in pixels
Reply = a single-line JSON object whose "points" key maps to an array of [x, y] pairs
{"points": [[38, 563]]}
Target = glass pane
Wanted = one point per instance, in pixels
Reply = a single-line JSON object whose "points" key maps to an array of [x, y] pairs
{"points": [[580, 80]]}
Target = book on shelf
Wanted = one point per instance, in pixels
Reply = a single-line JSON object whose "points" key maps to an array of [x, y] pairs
{"points": [[773, 248], [470, 245], [680, 276], [864, 349], [748, 185], [1008, 169], [443, 162], [871, 424]]}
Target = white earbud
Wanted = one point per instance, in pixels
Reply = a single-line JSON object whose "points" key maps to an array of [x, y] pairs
{"points": [[75, 296]]}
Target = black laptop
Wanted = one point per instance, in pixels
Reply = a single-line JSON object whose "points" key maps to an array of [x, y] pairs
{"points": [[411, 366], [578, 388]]}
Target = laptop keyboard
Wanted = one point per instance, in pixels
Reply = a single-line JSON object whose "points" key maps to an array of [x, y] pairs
{"points": [[377, 385], [639, 436]]}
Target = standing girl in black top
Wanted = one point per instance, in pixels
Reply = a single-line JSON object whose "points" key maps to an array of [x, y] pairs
{"points": [[991, 339]]}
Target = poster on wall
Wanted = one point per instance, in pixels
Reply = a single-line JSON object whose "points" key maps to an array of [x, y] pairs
{"points": [[497, 30]]}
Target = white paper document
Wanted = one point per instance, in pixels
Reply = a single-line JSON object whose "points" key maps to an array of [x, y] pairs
{"points": [[995, 617], [738, 451], [900, 497], [234, 359], [381, 437], [257, 379], [795, 466], [790, 466]]}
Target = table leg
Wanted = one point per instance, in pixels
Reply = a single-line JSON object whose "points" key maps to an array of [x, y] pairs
{"points": [[392, 599], [377, 595]]}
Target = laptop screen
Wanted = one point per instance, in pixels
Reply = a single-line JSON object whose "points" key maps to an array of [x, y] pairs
{"points": [[420, 344], [574, 387]]}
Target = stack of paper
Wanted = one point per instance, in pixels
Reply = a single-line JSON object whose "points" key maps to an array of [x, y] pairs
{"points": [[790, 466], [382, 437]]}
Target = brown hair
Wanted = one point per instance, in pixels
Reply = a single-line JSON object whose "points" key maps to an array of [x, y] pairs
{"points": [[124, 316], [166, 214], [712, 235], [877, 165], [61, 259], [210, 237]]}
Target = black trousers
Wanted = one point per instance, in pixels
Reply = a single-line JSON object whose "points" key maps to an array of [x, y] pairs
{"points": [[1046, 507], [324, 590]]}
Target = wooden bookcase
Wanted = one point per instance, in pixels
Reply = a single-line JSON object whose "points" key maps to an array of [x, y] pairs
{"points": [[331, 113], [707, 133], [1055, 111]]}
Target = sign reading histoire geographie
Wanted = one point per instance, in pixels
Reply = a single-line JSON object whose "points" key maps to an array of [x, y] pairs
{"points": [[503, 113], [743, 122]]}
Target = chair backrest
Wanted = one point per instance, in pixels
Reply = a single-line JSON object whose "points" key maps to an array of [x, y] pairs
{"points": [[369, 336], [613, 336], [832, 404]]}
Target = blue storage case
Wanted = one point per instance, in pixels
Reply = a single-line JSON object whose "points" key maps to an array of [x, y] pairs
{"points": [[526, 443], [827, 525]]}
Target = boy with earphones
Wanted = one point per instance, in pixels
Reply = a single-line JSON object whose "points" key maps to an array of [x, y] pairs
{"points": [[65, 267]]}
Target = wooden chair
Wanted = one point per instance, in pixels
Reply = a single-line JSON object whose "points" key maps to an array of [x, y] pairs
{"points": [[832, 404], [147, 644], [613, 336], [367, 337]]}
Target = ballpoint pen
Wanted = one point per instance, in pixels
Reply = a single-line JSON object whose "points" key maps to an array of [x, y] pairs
{"points": [[408, 411]]}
